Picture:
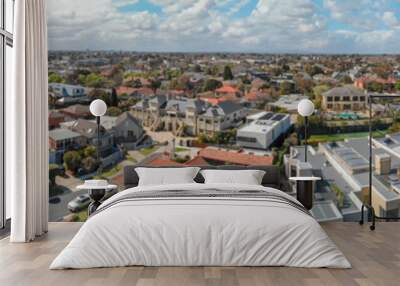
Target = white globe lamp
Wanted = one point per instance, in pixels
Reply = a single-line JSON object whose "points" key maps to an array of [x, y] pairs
{"points": [[305, 108], [98, 107]]}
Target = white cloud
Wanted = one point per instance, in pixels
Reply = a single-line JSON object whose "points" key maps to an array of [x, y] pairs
{"points": [[210, 25], [390, 19]]}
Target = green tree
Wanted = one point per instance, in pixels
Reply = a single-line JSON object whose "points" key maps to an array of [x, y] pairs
{"points": [[72, 160], [375, 87], [212, 84], [286, 88], [397, 86], [318, 91], [313, 70], [347, 80], [113, 98], [395, 127], [100, 94], [265, 85], [136, 83], [213, 71], [90, 164], [155, 84], [228, 75], [114, 111], [53, 77], [96, 81], [89, 151], [197, 68]]}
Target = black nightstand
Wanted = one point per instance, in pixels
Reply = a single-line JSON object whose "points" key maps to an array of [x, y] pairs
{"points": [[96, 190], [304, 190]]}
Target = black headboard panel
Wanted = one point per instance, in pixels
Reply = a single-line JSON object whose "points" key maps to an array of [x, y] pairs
{"points": [[271, 178]]}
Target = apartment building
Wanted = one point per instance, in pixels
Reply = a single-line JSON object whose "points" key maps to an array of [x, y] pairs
{"points": [[263, 129], [67, 90], [187, 116], [344, 167], [345, 98]]}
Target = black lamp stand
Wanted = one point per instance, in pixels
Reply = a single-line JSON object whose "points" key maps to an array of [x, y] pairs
{"points": [[305, 137], [96, 195], [371, 211]]}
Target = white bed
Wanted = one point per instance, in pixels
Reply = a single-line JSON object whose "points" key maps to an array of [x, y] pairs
{"points": [[200, 231]]}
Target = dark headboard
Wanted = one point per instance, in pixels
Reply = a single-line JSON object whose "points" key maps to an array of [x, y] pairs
{"points": [[271, 178]]}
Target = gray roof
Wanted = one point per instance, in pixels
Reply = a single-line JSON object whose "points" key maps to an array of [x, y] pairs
{"points": [[63, 134], [344, 91], [126, 116], [180, 105], [223, 109], [86, 128], [322, 168], [78, 109], [380, 183], [289, 102], [161, 99]]}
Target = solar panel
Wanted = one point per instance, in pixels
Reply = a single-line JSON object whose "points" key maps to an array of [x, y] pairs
{"points": [[278, 117], [266, 116], [351, 157]]}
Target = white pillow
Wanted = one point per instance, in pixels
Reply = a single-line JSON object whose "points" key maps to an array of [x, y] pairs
{"points": [[166, 176], [247, 177]]}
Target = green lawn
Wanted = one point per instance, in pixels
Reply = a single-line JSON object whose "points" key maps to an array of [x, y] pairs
{"points": [[147, 151], [111, 172], [314, 139], [180, 149], [131, 159], [81, 216]]}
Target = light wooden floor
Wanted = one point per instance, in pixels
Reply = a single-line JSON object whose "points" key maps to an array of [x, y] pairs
{"points": [[375, 257]]}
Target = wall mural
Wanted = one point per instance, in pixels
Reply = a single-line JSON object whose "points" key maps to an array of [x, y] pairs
{"points": [[206, 83]]}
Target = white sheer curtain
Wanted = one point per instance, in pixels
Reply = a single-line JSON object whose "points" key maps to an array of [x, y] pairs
{"points": [[27, 124]]}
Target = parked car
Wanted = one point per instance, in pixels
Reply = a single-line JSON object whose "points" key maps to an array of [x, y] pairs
{"points": [[79, 203]]}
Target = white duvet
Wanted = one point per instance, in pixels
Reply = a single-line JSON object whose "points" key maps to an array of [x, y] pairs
{"points": [[202, 232]]}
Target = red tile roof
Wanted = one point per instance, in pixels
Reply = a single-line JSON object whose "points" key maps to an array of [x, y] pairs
{"points": [[235, 157], [227, 89], [197, 161], [251, 96], [161, 159]]}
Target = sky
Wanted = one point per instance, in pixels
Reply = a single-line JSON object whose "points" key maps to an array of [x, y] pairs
{"points": [[265, 26]]}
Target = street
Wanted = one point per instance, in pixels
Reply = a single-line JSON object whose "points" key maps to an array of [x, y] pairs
{"points": [[58, 210]]}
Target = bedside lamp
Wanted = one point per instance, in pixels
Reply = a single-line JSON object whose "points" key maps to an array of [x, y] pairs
{"points": [[305, 108], [98, 108]]}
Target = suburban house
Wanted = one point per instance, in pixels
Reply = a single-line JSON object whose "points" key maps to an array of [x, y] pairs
{"points": [[67, 90], [263, 129], [215, 156], [62, 140], [76, 111], [227, 90], [345, 98], [219, 117], [128, 131], [55, 118], [287, 103], [88, 129], [190, 116], [364, 82]]}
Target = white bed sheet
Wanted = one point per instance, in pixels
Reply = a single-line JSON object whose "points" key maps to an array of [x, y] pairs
{"points": [[200, 232]]}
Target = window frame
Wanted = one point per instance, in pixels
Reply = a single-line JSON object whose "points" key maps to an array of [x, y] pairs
{"points": [[6, 40]]}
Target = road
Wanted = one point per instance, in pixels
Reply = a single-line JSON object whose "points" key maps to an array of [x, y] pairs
{"points": [[58, 210]]}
